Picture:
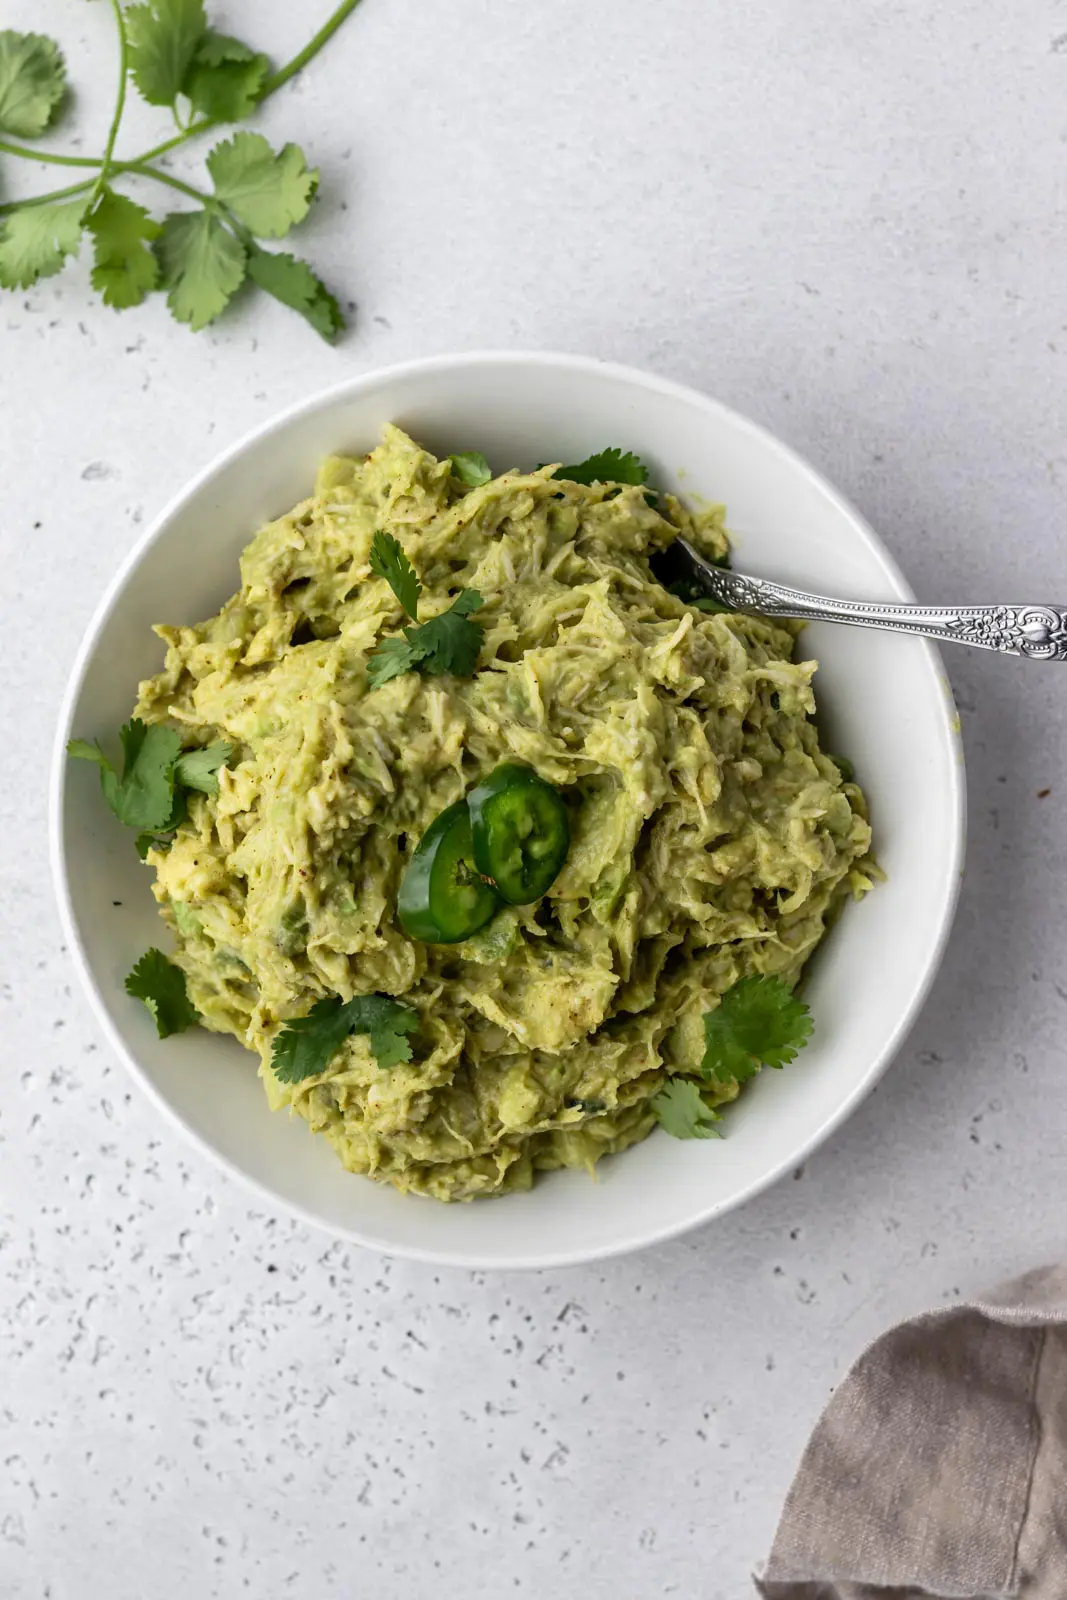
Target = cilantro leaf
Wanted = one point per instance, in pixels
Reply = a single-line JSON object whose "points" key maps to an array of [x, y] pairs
{"points": [[152, 793], [269, 191], [199, 769], [82, 750], [155, 838], [225, 78], [161, 985], [306, 1046], [759, 1022], [36, 241], [33, 80], [448, 643], [215, 49], [388, 561], [391, 658], [471, 468], [201, 264], [293, 283], [143, 797], [163, 36], [126, 270], [681, 1112], [610, 466], [388, 1023]]}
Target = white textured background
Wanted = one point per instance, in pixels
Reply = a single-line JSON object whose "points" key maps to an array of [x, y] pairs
{"points": [[845, 220]]}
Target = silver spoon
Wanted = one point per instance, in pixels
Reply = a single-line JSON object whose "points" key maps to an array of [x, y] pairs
{"points": [[1038, 632]]}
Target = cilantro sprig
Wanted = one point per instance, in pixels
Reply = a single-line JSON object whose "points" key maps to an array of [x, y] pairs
{"points": [[306, 1046], [199, 258], [161, 985], [143, 795], [608, 466], [447, 643], [151, 792], [759, 1022]]}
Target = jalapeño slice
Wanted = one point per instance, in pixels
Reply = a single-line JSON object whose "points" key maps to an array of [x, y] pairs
{"points": [[521, 832], [442, 899]]}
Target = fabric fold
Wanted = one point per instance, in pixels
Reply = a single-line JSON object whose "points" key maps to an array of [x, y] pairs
{"points": [[939, 1466]]}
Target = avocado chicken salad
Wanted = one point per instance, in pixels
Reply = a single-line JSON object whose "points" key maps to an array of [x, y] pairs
{"points": [[496, 852]]}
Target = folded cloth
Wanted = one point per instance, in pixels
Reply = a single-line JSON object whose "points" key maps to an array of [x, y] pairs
{"points": [[940, 1465]]}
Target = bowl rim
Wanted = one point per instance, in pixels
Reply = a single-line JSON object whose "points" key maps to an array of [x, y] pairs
{"points": [[634, 1240]]}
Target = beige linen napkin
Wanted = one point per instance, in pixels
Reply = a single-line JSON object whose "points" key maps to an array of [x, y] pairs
{"points": [[940, 1465]]}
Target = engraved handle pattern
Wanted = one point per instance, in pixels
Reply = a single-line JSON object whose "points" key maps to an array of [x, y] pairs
{"points": [[1036, 631]]}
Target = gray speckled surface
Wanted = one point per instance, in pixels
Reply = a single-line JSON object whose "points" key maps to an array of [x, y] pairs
{"points": [[848, 222]]}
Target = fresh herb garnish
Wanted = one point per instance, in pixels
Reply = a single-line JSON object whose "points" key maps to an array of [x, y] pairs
{"points": [[200, 258], [143, 797], [151, 794], [390, 659], [448, 643], [759, 1022], [680, 1110], [388, 561], [609, 466], [471, 468], [161, 985], [306, 1046]]}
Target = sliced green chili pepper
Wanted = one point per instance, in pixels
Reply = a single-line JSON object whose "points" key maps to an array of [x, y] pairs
{"points": [[521, 832], [442, 899]]}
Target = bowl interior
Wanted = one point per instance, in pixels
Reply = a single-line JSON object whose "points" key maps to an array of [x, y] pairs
{"points": [[884, 701]]}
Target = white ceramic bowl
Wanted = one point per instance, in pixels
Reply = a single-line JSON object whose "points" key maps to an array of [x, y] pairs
{"points": [[884, 701]]}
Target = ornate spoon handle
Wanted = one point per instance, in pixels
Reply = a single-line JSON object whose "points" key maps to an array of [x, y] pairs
{"points": [[1036, 631]]}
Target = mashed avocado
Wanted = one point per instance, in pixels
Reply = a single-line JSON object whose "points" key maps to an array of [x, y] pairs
{"points": [[710, 839]]}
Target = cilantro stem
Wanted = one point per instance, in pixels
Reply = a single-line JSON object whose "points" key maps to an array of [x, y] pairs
{"points": [[120, 106], [310, 50], [208, 201], [139, 168], [142, 170], [47, 156], [46, 199]]}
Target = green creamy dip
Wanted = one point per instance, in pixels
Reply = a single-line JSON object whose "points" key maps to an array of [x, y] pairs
{"points": [[711, 839]]}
